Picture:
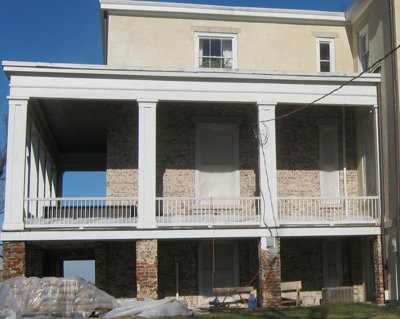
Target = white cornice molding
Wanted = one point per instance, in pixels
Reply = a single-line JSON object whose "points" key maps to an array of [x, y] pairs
{"points": [[61, 69], [221, 12], [357, 9]]}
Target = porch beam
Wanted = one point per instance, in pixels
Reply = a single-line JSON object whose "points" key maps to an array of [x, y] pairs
{"points": [[187, 233], [147, 164], [16, 164], [267, 164]]}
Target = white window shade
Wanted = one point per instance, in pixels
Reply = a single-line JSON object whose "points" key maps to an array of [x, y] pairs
{"points": [[328, 161], [217, 161]]}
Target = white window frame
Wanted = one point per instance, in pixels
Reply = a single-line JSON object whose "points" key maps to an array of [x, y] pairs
{"points": [[363, 33], [227, 36], [332, 60]]}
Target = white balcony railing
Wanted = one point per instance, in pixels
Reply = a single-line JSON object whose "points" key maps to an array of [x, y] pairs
{"points": [[80, 212], [342, 210], [189, 211], [206, 212]]}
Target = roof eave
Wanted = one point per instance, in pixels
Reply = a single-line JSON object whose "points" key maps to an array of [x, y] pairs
{"points": [[221, 12], [58, 69]]}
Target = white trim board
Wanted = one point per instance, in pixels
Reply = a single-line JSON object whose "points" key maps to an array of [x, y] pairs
{"points": [[208, 233], [47, 81]]}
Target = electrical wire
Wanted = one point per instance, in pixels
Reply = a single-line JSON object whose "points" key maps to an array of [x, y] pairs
{"points": [[371, 68]]}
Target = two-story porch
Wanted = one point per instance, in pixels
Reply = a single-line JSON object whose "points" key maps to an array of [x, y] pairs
{"points": [[191, 157]]}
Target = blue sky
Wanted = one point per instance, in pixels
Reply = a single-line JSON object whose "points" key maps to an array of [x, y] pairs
{"points": [[68, 31]]}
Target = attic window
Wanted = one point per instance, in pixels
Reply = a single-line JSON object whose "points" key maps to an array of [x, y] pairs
{"points": [[216, 51], [363, 48]]}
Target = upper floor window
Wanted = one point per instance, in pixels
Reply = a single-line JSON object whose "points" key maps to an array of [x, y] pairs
{"points": [[325, 55], [363, 48], [215, 50]]}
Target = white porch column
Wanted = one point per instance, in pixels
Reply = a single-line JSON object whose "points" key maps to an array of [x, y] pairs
{"points": [[42, 170], [16, 164], [147, 164], [34, 166], [34, 172], [47, 174], [377, 156], [54, 175], [267, 164]]}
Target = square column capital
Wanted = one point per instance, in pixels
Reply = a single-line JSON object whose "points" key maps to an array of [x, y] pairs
{"points": [[266, 106], [17, 101], [147, 103]]}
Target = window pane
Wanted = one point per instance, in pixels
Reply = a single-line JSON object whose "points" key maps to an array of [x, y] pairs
{"points": [[205, 62], [324, 51], [363, 48], [227, 48], [216, 63], [204, 47], [216, 47], [363, 44], [325, 66], [227, 64]]}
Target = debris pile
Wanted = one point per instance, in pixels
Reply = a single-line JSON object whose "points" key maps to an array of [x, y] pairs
{"points": [[50, 296], [150, 309], [75, 298]]}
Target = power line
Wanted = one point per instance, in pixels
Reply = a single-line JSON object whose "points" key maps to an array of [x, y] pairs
{"points": [[372, 67]]}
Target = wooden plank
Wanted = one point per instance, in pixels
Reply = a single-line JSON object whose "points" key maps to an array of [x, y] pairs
{"points": [[232, 290], [291, 286]]}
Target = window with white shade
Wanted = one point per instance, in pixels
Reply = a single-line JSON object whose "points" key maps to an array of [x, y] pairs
{"points": [[215, 50], [221, 265], [217, 160], [325, 55], [328, 161], [332, 262], [363, 48]]}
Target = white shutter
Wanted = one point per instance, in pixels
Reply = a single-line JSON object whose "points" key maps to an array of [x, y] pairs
{"points": [[328, 161]]}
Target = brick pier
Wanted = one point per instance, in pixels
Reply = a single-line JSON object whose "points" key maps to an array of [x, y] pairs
{"points": [[270, 277], [14, 259], [147, 269]]}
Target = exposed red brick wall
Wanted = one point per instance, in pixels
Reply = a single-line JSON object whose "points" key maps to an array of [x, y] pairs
{"points": [[270, 277], [378, 268], [147, 269], [13, 259]]}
